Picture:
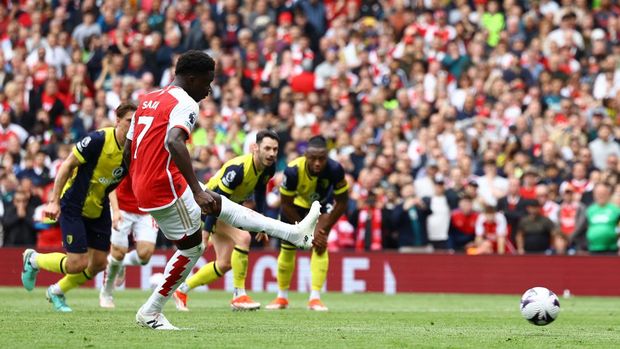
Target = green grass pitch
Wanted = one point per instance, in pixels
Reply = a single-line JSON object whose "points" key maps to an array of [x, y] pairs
{"points": [[354, 321]]}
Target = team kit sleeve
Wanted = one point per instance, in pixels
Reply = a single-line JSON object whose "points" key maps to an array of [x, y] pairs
{"points": [[184, 116], [89, 148], [338, 178], [289, 182], [231, 179]]}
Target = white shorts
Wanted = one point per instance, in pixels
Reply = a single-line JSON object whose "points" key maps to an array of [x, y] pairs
{"points": [[181, 219], [143, 227]]}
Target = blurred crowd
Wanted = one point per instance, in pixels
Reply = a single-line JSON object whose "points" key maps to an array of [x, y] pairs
{"points": [[476, 126]]}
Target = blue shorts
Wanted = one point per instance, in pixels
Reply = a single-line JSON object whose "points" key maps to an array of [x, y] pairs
{"points": [[80, 233]]}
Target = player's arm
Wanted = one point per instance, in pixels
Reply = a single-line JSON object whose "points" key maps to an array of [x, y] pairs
{"points": [[88, 149], [341, 200], [116, 211], [180, 155], [288, 190], [182, 121]]}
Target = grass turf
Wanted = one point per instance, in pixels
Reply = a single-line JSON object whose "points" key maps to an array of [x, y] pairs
{"points": [[354, 321]]}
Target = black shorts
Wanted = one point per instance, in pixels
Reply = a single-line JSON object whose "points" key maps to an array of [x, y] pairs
{"points": [[80, 233]]}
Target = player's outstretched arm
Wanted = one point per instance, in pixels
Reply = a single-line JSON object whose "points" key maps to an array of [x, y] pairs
{"points": [[52, 210], [208, 202]]}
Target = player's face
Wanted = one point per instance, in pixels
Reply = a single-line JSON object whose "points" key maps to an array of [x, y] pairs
{"points": [[200, 86], [316, 159], [123, 122], [267, 151]]}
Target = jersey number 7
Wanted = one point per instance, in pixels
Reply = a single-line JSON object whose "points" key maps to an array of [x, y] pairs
{"points": [[147, 121]]}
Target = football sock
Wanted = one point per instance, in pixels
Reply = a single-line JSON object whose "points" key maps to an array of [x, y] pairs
{"points": [[71, 281], [132, 258], [239, 263], [286, 265], [314, 294], [318, 267], [206, 275], [249, 220], [55, 262], [114, 265], [283, 294], [177, 269]]}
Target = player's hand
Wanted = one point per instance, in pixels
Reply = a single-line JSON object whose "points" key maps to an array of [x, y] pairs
{"points": [[208, 204], [117, 218], [262, 237], [320, 240], [52, 211]]}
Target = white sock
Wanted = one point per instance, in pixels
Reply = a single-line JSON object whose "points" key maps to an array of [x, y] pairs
{"points": [[132, 258], [249, 220], [315, 294], [177, 269], [33, 260], [283, 294], [184, 288], [114, 265], [238, 292], [55, 289]]}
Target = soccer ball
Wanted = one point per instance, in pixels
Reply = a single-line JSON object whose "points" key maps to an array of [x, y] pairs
{"points": [[156, 280], [540, 306]]}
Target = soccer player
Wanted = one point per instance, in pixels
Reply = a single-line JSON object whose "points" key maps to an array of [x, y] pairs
{"points": [[311, 177], [165, 184], [126, 219], [236, 180], [80, 202]]}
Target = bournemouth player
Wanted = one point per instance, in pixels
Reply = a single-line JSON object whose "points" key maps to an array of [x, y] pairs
{"points": [[311, 177], [237, 180], [126, 219], [165, 185], [80, 202]]}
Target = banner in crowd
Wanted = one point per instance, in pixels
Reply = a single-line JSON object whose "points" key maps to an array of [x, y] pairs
{"points": [[390, 273]]}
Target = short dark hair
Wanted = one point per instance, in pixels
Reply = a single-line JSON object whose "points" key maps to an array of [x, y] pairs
{"points": [[317, 142], [194, 62], [267, 134], [125, 108]]}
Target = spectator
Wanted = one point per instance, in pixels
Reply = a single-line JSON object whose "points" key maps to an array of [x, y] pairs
{"points": [[438, 221], [18, 221], [602, 217], [572, 220], [491, 231], [462, 224], [603, 146], [512, 206], [535, 230]]}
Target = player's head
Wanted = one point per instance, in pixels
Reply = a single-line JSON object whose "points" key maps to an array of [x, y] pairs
{"points": [[266, 148], [194, 72], [316, 155], [124, 112]]}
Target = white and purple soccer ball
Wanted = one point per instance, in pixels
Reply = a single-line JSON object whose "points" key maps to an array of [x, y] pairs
{"points": [[540, 306]]}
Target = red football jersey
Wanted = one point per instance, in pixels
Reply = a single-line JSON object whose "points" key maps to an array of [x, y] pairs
{"points": [[156, 180], [126, 200]]}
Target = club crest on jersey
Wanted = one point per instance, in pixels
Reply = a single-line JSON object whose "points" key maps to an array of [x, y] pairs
{"points": [[83, 143], [69, 239], [192, 118], [229, 178]]}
